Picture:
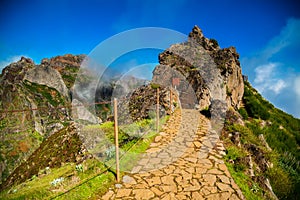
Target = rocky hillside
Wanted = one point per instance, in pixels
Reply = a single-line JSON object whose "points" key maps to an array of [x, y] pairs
{"points": [[61, 147], [26, 86], [201, 72], [262, 145]]}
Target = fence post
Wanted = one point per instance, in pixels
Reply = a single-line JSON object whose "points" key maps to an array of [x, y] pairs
{"points": [[157, 109], [116, 138], [170, 100]]}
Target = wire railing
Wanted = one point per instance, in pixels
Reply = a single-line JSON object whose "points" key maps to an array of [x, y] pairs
{"points": [[110, 165]]}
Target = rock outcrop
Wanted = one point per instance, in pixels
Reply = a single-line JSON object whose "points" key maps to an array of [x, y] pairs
{"points": [[15, 72], [46, 75], [142, 103], [40, 92], [81, 113], [227, 60], [194, 63]]}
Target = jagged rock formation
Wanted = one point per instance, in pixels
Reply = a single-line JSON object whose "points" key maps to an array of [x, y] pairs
{"points": [[26, 86], [227, 61], [67, 65], [194, 63]]}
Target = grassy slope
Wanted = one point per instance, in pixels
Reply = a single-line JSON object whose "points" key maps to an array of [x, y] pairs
{"points": [[282, 133], [19, 138], [80, 181]]}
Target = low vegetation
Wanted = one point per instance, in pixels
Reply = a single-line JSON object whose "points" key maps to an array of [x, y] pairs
{"points": [[88, 178], [280, 149]]}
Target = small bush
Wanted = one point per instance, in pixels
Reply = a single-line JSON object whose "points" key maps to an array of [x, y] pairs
{"points": [[57, 181], [155, 85], [280, 182], [110, 153], [243, 113], [214, 42], [233, 153]]}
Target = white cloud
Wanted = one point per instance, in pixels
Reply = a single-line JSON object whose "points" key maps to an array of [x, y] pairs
{"points": [[278, 86], [274, 70], [297, 91], [263, 72], [10, 60], [289, 35], [266, 79], [297, 87]]}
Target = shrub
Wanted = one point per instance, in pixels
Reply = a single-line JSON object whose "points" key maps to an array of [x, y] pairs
{"points": [[110, 153], [233, 153], [255, 108], [243, 113], [280, 182], [214, 42], [155, 85]]}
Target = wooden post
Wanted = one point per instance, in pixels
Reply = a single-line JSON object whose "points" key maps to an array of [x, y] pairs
{"points": [[116, 139], [170, 100], [157, 109]]}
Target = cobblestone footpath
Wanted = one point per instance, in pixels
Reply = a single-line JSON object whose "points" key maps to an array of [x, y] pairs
{"points": [[174, 167]]}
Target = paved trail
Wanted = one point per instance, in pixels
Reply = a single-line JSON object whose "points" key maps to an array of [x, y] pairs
{"points": [[174, 168]]}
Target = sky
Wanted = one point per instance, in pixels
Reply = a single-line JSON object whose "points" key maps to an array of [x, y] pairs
{"points": [[264, 32]]}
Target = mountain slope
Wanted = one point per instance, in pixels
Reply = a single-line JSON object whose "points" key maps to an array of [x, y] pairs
{"points": [[24, 88], [262, 145]]}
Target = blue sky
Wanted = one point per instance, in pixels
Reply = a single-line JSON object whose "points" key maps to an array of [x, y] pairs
{"points": [[265, 33]]}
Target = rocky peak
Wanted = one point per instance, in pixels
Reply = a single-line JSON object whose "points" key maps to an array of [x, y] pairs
{"points": [[67, 65], [15, 72], [66, 60], [26, 60], [63, 63], [196, 33], [197, 58], [198, 38]]}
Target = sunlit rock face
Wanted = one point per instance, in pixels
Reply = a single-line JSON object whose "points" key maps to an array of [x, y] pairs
{"points": [[205, 72]]}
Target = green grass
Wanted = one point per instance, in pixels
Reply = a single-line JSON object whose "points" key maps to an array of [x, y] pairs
{"points": [[38, 188], [250, 190], [69, 80], [132, 146], [94, 180]]}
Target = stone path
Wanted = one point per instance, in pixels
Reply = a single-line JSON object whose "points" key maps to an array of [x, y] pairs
{"points": [[174, 168]]}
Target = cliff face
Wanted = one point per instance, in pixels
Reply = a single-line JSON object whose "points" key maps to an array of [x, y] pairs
{"points": [[227, 61], [205, 71], [46, 75]]}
